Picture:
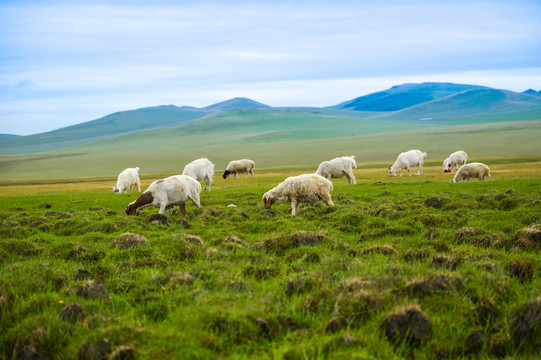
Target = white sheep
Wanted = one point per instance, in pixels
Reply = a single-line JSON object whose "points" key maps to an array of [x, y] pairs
{"points": [[337, 168], [456, 159], [406, 160], [168, 192], [126, 180], [200, 169], [239, 166], [307, 188], [472, 170]]}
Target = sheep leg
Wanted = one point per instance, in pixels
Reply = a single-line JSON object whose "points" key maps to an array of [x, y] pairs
{"points": [[409, 171], [163, 207], [351, 178], [327, 198], [294, 207], [138, 186], [420, 171], [182, 208]]}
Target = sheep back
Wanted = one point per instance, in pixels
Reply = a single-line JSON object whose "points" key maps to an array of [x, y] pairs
{"points": [[307, 188], [336, 168], [472, 170]]}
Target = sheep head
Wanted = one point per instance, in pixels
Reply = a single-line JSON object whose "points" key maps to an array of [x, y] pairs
{"points": [[392, 172], [268, 201], [145, 199], [226, 174]]}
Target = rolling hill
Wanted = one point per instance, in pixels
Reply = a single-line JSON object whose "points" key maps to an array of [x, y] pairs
{"points": [[403, 96], [116, 124], [242, 119], [473, 104]]}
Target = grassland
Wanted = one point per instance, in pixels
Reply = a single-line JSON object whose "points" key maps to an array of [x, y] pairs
{"points": [[168, 151], [398, 268]]}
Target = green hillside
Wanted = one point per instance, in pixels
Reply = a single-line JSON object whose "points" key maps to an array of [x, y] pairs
{"points": [[247, 127], [471, 104], [119, 123], [403, 96], [247, 121], [103, 128], [504, 139]]}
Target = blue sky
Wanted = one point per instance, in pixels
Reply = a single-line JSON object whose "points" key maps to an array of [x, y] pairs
{"points": [[66, 62]]}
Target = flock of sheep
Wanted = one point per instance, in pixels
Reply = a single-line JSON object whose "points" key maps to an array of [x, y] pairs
{"points": [[307, 188]]}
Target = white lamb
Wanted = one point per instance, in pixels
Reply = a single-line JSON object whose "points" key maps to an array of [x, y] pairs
{"points": [[456, 159], [307, 188], [168, 192], [337, 168], [200, 169], [239, 166], [406, 160], [126, 180], [472, 170]]}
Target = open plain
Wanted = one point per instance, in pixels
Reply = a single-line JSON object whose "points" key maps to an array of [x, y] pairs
{"points": [[398, 268]]}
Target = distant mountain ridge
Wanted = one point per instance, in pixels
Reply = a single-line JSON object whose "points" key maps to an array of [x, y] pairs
{"points": [[119, 123], [237, 104], [402, 103], [403, 96]]}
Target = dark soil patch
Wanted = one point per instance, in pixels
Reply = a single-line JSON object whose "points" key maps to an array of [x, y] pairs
{"points": [[474, 343], [94, 350], [92, 290], [416, 255], [234, 242], [23, 248], [465, 234], [72, 312], [353, 308], [28, 352], [128, 241], [159, 219], [283, 243], [184, 224], [436, 202], [302, 284], [261, 273], [528, 238], [408, 323], [526, 324], [521, 269], [438, 283], [123, 352], [380, 249], [446, 262]]}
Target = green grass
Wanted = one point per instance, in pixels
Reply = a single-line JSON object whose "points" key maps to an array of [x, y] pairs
{"points": [[170, 152], [262, 284]]}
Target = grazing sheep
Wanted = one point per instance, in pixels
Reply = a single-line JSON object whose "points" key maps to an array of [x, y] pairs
{"points": [[406, 160], [239, 166], [126, 180], [307, 188], [472, 170], [337, 168], [456, 159], [200, 169], [165, 193]]}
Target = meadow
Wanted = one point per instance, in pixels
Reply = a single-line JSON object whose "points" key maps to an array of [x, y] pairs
{"points": [[406, 267]]}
